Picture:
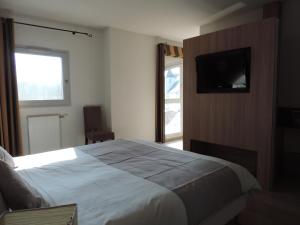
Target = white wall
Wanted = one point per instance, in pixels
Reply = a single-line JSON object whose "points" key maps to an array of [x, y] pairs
{"points": [[131, 74], [86, 74], [115, 68], [233, 21], [289, 79], [107, 75]]}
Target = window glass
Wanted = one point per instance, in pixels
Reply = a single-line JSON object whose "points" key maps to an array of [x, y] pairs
{"points": [[172, 118], [42, 77], [39, 77], [172, 83], [173, 107]]}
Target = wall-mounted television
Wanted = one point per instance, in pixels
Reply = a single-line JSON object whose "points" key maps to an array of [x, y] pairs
{"points": [[227, 71]]}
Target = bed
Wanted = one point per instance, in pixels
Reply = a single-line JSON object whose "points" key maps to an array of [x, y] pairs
{"points": [[131, 182]]}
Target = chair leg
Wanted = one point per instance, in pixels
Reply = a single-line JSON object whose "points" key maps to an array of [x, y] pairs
{"points": [[86, 141]]}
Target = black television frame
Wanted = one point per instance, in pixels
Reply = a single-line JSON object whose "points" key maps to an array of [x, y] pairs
{"points": [[247, 52]]}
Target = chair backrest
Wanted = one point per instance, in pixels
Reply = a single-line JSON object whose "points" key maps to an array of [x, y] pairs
{"points": [[92, 118]]}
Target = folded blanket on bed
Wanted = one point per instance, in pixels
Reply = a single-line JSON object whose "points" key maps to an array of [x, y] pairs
{"points": [[133, 182]]}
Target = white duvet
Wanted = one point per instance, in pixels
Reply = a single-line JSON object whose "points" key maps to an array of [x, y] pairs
{"points": [[104, 195]]}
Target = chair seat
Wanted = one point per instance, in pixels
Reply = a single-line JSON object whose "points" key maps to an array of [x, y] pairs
{"points": [[100, 135]]}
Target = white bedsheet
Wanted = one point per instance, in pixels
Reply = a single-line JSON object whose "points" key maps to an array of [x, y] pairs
{"points": [[104, 195]]}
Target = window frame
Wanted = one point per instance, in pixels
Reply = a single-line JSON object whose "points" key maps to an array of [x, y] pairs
{"points": [[178, 135], [64, 55]]}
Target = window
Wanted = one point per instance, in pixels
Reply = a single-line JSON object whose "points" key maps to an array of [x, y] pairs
{"points": [[42, 77], [173, 102]]}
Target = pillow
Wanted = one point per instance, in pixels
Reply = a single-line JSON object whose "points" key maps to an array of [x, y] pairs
{"points": [[16, 193], [3, 206], [6, 157]]}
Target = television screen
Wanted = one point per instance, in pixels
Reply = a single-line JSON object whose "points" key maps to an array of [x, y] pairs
{"points": [[227, 71]]}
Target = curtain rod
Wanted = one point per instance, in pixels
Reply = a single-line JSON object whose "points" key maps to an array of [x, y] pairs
{"points": [[54, 28]]}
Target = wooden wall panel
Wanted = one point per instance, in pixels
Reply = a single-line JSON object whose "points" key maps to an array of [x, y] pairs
{"points": [[241, 120], [272, 10]]}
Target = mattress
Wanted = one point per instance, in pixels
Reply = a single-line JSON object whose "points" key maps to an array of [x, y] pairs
{"points": [[136, 182]]}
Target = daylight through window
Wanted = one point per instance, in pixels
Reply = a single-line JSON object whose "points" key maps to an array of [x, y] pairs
{"points": [[42, 77]]}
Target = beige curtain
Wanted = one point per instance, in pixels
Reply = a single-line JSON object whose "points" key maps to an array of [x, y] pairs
{"points": [[10, 136]]}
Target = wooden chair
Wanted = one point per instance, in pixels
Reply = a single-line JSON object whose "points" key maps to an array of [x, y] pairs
{"points": [[93, 128]]}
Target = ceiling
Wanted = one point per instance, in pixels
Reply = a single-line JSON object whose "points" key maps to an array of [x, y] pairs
{"points": [[172, 19]]}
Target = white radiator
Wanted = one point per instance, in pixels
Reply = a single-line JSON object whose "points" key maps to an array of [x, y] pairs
{"points": [[44, 133]]}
